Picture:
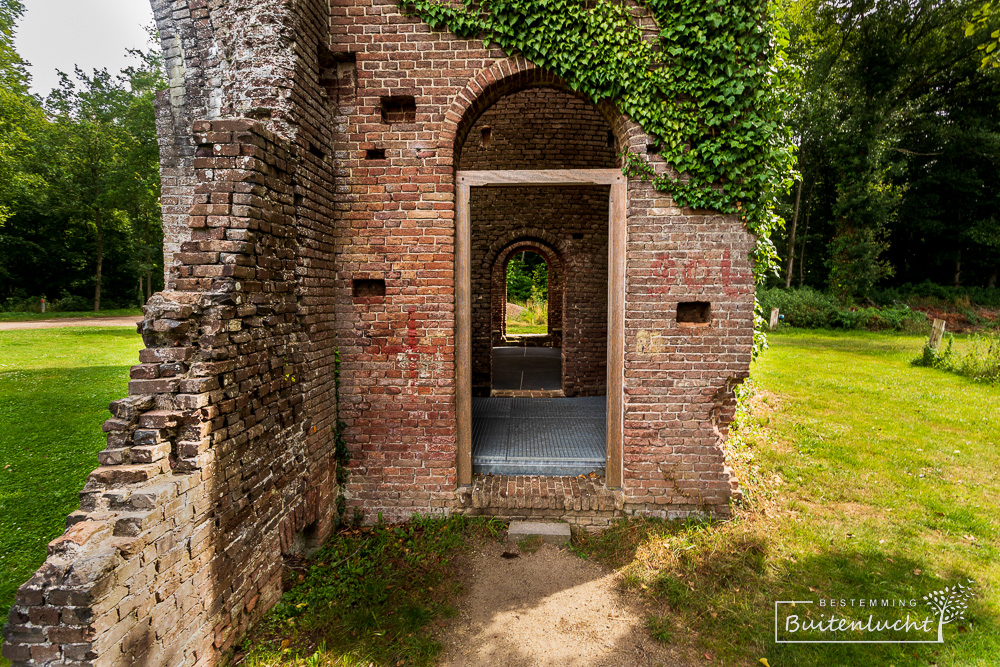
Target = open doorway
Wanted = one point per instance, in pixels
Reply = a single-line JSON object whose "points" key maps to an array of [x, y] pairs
{"points": [[526, 299], [527, 294], [540, 258], [529, 357], [540, 222]]}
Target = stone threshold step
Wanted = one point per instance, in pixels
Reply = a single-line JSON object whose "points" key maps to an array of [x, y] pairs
{"points": [[569, 468], [549, 532]]}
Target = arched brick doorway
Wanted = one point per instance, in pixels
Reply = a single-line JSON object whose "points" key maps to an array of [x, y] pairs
{"points": [[539, 158], [498, 334]]}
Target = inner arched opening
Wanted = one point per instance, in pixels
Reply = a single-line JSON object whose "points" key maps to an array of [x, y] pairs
{"points": [[526, 305], [526, 301], [539, 287]]}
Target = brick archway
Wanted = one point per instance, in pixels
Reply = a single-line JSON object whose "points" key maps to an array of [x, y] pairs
{"points": [[507, 76], [498, 292]]}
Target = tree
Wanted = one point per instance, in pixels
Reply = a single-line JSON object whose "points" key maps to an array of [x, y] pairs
{"points": [[141, 163], [527, 277], [19, 112], [979, 23], [107, 167], [879, 83], [79, 181], [88, 128]]}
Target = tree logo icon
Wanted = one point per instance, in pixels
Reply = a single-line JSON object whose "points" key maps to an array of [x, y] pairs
{"points": [[950, 604]]}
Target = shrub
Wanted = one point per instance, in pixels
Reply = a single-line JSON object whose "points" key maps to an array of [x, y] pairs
{"points": [[21, 304], [535, 312], [804, 307], [928, 294], [71, 303], [811, 309], [980, 362]]}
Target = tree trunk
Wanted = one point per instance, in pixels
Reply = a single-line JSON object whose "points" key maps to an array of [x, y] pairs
{"points": [[802, 256], [992, 282], [791, 237], [957, 279], [100, 260]]}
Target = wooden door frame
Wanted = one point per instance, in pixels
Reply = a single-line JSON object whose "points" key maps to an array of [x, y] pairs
{"points": [[617, 231]]}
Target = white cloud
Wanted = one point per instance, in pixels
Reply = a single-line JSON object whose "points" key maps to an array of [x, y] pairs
{"points": [[94, 34]]}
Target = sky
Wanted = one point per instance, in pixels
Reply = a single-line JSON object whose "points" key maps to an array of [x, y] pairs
{"points": [[58, 34]]}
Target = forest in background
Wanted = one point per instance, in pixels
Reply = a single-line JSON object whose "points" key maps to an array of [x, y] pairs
{"points": [[896, 113], [79, 184]]}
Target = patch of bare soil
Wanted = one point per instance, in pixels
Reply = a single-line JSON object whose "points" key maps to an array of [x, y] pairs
{"points": [[549, 607], [958, 322]]}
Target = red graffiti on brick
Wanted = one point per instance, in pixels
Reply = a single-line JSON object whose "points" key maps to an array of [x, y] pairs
{"points": [[698, 272]]}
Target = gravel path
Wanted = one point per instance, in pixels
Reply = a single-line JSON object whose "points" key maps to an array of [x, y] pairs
{"points": [[547, 608], [130, 321]]}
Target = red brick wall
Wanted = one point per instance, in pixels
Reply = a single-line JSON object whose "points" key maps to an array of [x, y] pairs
{"points": [[539, 128]]}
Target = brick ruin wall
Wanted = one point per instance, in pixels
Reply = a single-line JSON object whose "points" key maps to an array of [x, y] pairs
{"points": [[543, 128], [221, 457], [293, 136]]}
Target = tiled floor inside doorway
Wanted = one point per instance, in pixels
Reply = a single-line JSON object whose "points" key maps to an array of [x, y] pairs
{"points": [[536, 436]]}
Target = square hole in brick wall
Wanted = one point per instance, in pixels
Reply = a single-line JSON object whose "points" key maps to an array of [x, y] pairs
{"points": [[399, 109], [694, 312], [367, 287], [374, 153]]}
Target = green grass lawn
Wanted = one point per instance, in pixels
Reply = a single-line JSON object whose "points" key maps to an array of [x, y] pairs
{"points": [[522, 328], [55, 386], [865, 477], [29, 317], [870, 478]]}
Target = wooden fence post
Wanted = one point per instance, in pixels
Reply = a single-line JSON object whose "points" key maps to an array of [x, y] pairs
{"points": [[937, 332]]}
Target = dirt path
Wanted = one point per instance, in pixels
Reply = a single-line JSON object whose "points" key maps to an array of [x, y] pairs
{"points": [[73, 322], [547, 608]]}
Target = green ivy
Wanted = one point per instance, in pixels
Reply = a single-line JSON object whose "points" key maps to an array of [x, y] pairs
{"points": [[710, 90]]}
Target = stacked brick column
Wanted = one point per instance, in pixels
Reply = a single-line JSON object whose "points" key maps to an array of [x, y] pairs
{"points": [[208, 475]]}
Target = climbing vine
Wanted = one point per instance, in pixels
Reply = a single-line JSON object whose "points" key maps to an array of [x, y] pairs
{"points": [[708, 88]]}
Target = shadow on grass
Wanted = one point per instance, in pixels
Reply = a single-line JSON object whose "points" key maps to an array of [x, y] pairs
{"points": [[720, 582]]}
